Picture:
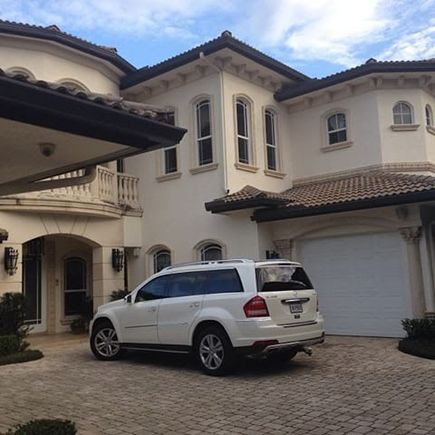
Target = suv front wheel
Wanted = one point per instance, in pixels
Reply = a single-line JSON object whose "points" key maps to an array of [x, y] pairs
{"points": [[214, 351], [104, 342]]}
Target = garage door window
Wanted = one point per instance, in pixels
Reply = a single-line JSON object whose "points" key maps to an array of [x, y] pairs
{"points": [[282, 278]]}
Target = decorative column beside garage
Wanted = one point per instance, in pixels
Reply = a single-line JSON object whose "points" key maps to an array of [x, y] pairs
{"points": [[284, 247], [412, 237]]}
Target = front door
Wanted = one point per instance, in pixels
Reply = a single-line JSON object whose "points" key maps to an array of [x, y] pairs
{"points": [[34, 289]]}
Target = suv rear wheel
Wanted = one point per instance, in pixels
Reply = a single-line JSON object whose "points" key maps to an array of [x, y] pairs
{"points": [[104, 342], [214, 351]]}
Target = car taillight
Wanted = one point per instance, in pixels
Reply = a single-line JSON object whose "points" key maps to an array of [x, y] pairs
{"points": [[256, 307]]}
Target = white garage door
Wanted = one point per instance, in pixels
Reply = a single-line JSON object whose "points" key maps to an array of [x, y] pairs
{"points": [[361, 283]]}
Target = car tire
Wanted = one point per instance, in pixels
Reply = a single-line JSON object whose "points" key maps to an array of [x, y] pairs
{"points": [[282, 357], [104, 342], [214, 352]]}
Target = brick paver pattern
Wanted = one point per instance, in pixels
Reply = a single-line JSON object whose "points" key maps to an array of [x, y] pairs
{"points": [[349, 385]]}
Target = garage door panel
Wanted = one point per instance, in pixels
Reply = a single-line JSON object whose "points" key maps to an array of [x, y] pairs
{"points": [[360, 281]]}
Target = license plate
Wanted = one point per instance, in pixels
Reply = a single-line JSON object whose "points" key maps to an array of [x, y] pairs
{"points": [[296, 307]]}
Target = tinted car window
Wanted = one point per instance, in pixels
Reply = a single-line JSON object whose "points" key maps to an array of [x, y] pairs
{"points": [[223, 281], [185, 284], [156, 289], [282, 278]]}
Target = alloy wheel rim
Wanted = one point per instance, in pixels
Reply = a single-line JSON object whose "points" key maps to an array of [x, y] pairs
{"points": [[211, 351], [106, 342]]}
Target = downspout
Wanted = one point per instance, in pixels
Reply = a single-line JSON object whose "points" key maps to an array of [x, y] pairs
{"points": [[220, 71]]}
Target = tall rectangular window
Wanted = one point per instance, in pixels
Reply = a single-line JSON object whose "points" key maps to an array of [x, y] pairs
{"points": [[203, 133], [170, 162], [243, 133], [271, 144]]}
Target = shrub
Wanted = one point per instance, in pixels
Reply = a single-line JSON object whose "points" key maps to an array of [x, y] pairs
{"points": [[12, 314], [19, 357], [9, 344], [45, 427], [79, 325], [419, 328], [119, 294], [421, 347]]}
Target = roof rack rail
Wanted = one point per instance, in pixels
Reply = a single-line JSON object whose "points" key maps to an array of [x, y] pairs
{"points": [[200, 263]]}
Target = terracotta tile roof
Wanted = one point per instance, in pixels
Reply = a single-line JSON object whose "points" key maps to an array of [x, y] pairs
{"points": [[133, 108], [370, 67], [362, 190]]}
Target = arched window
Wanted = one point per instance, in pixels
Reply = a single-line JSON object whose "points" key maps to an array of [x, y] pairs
{"points": [[203, 129], [271, 140], [161, 259], [211, 252], [402, 113], [243, 117], [74, 86], [429, 115], [337, 128], [75, 285]]}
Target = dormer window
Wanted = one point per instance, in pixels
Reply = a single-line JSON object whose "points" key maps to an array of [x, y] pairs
{"points": [[337, 128], [402, 113]]}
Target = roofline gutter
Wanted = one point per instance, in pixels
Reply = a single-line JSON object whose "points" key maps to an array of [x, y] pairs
{"points": [[268, 215]]}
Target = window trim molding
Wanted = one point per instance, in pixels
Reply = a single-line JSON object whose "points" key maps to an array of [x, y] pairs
{"points": [[21, 70], [79, 84], [161, 175], [149, 263], [196, 255], [252, 164], [279, 171], [427, 106], [325, 145], [194, 139], [412, 124]]}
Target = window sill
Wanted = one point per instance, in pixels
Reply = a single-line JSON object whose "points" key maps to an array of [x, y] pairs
{"points": [[404, 127], [336, 146], [430, 129], [167, 177], [275, 174], [204, 168], [246, 167]]}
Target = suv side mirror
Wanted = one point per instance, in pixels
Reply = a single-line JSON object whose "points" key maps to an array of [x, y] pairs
{"points": [[128, 299]]}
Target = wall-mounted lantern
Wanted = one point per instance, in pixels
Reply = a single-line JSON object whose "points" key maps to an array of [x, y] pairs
{"points": [[117, 259], [11, 260], [270, 255]]}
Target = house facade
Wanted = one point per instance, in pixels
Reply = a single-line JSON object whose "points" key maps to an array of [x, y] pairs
{"points": [[338, 173]]}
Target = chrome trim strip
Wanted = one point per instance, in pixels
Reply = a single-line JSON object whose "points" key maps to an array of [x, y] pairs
{"points": [[151, 349], [140, 326], [294, 325], [308, 342]]}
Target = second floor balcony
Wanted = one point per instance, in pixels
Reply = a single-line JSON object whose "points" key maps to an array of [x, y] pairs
{"points": [[111, 194]]}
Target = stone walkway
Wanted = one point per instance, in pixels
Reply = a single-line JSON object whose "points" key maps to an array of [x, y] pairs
{"points": [[349, 385]]}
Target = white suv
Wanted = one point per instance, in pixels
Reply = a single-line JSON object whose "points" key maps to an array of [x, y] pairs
{"points": [[217, 310]]}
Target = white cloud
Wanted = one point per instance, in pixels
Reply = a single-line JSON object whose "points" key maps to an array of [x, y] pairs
{"points": [[140, 17], [416, 45], [328, 30]]}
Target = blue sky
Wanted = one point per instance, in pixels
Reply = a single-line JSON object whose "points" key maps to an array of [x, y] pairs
{"points": [[317, 37]]}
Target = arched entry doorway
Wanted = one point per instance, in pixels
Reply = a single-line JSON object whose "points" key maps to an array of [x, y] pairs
{"points": [[57, 281]]}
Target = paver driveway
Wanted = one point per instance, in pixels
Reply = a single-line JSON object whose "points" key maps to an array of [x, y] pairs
{"points": [[349, 385]]}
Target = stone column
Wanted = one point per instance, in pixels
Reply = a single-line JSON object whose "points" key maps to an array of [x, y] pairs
{"points": [[412, 236], [284, 247], [52, 290]]}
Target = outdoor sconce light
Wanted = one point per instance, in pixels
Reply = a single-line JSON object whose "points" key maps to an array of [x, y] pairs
{"points": [[11, 260], [117, 259], [270, 255]]}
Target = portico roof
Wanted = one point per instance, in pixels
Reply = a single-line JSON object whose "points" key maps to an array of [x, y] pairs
{"points": [[82, 129], [359, 191]]}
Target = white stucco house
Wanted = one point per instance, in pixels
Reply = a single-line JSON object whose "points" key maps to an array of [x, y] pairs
{"points": [[338, 173]]}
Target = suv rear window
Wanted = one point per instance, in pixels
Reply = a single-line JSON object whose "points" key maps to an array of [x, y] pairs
{"points": [[281, 278]]}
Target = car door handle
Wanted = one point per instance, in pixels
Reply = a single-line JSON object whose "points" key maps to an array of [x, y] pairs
{"points": [[195, 305]]}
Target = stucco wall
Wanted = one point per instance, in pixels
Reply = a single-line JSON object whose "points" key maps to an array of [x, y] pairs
{"points": [[54, 63]]}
